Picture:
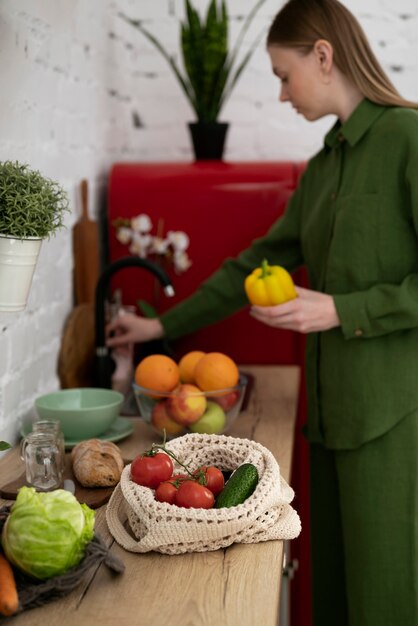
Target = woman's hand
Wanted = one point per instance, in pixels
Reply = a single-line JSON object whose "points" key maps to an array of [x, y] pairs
{"points": [[129, 328], [311, 311]]}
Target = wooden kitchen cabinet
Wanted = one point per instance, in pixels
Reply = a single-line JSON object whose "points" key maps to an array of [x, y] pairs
{"points": [[239, 585]]}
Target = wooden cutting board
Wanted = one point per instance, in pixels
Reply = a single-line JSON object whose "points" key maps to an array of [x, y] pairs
{"points": [[76, 357], [93, 497], [86, 252]]}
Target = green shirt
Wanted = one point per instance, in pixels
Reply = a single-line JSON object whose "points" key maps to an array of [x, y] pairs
{"points": [[353, 221]]}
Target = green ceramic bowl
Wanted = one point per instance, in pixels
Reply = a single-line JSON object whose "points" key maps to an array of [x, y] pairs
{"points": [[83, 413]]}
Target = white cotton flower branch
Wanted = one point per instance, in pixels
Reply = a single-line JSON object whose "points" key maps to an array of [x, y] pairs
{"points": [[181, 261], [141, 223], [124, 235], [178, 239], [140, 244], [136, 233], [159, 245]]}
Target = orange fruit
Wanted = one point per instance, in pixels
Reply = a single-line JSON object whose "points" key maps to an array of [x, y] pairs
{"points": [[216, 371], [157, 372], [187, 365]]}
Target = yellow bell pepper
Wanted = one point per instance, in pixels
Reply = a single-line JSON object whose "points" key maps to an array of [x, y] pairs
{"points": [[269, 285]]}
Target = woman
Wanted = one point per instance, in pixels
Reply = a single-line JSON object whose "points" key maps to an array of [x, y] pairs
{"points": [[353, 221]]}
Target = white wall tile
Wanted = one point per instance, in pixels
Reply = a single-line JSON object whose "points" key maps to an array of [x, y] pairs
{"points": [[73, 74]]}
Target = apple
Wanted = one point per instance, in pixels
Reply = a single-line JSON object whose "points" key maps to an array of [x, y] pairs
{"points": [[160, 419], [186, 405], [212, 421], [228, 401]]}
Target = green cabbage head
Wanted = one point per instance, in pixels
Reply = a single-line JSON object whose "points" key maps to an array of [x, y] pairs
{"points": [[46, 533]]}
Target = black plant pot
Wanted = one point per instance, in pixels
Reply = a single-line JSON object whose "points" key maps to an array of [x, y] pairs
{"points": [[208, 140]]}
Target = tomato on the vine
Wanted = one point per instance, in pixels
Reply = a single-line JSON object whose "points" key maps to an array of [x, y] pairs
{"points": [[191, 494], [151, 469], [177, 479], [166, 492], [214, 479]]}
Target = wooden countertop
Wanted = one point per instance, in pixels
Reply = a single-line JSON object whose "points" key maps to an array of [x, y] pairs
{"points": [[238, 585]]}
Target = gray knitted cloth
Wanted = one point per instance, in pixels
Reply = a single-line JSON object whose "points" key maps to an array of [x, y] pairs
{"points": [[34, 593]]}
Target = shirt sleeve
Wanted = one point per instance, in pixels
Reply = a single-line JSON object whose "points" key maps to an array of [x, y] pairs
{"points": [[222, 294], [380, 310], [386, 308]]}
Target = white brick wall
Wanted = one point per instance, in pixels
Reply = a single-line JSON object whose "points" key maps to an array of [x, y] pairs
{"points": [[72, 75]]}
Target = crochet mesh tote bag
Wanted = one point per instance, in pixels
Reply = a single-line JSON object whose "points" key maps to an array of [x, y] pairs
{"points": [[139, 523]]}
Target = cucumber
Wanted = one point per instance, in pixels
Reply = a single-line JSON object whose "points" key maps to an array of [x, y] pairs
{"points": [[239, 487]]}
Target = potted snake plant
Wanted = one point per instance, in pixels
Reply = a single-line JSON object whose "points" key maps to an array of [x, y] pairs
{"points": [[211, 69], [32, 208]]}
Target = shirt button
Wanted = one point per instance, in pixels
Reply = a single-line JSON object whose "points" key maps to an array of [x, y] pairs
{"points": [[333, 195], [340, 137], [358, 332]]}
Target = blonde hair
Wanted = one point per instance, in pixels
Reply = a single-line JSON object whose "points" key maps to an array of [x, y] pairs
{"points": [[300, 23]]}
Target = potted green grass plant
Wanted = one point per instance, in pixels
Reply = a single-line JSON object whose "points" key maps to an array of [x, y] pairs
{"points": [[211, 69], [32, 208]]}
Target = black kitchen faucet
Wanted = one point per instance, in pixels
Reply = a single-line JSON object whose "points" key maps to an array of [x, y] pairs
{"points": [[103, 362]]}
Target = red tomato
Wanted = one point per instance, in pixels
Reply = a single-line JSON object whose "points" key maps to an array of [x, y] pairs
{"points": [[150, 471], [177, 479], [166, 492], [192, 495], [215, 480]]}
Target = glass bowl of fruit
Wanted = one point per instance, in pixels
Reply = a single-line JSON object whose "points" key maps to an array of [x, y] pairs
{"points": [[206, 398]]}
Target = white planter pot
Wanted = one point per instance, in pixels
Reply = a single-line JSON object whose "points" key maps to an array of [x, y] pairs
{"points": [[17, 265]]}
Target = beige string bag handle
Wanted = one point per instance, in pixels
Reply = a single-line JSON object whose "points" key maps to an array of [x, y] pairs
{"points": [[140, 524]]}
